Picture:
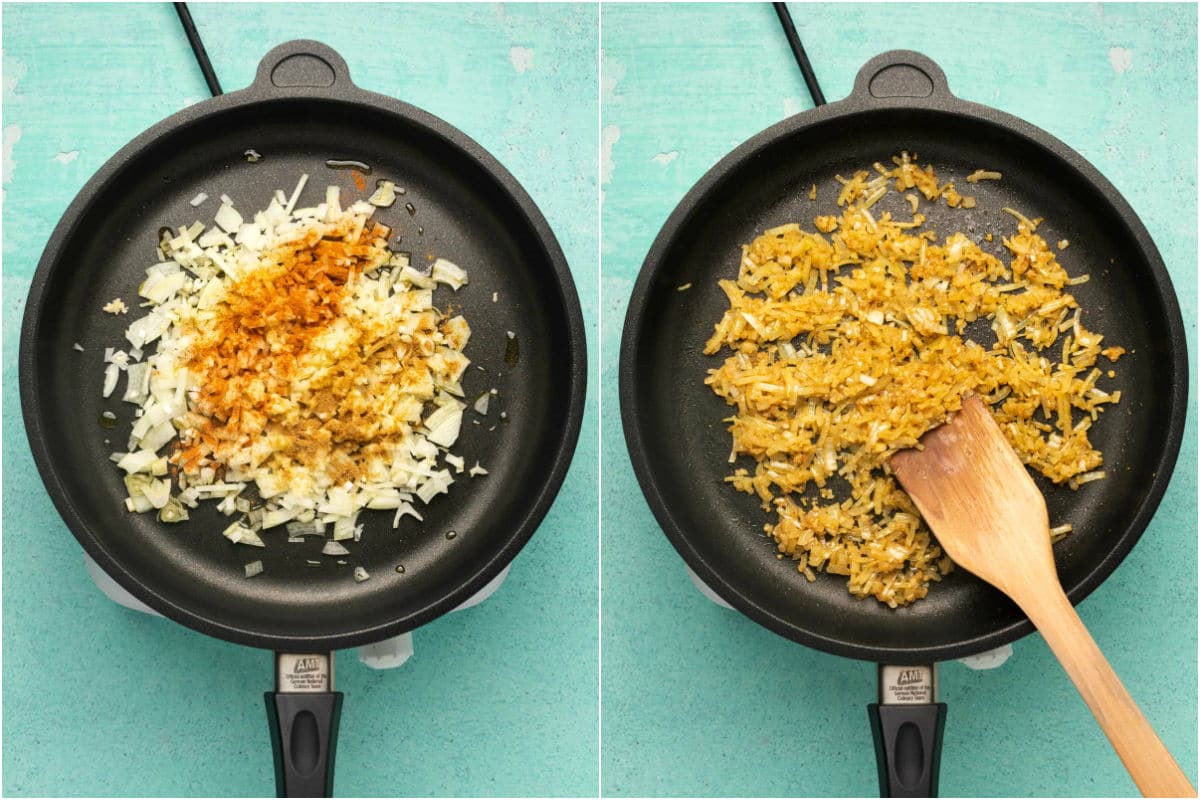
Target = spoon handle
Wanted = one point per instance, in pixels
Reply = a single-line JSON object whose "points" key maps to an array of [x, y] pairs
{"points": [[1143, 753]]}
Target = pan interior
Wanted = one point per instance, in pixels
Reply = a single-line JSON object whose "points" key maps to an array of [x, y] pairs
{"points": [[679, 420], [461, 212]]}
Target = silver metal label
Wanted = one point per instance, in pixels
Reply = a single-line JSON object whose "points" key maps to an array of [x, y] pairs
{"points": [[907, 685], [303, 672]]}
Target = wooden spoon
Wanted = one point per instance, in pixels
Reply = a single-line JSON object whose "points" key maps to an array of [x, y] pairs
{"points": [[976, 496]]}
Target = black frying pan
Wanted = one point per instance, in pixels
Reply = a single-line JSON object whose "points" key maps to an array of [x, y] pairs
{"points": [[300, 111], [679, 444]]}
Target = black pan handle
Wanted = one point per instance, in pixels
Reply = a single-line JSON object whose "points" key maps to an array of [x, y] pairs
{"points": [[304, 713], [907, 725], [302, 64], [900, 74]]}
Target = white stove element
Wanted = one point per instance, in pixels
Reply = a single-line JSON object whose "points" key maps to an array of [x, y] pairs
{"points": [[987, 660], [388, 654]]}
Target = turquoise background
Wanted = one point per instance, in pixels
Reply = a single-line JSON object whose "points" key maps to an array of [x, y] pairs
{"points": [[699, 700], [498, 700]]}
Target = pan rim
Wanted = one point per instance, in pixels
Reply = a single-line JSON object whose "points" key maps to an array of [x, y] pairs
{"points": [[726, 168], [575, 390]]}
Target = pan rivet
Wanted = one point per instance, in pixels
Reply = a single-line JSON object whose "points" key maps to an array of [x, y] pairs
{"points": [[451, 534], [400, 569]]}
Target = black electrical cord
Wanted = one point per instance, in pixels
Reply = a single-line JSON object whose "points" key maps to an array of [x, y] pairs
{"points": [[193, 36], [810, 77]]}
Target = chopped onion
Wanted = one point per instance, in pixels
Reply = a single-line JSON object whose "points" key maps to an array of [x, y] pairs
{"points": [[227, 217], [449, 273], [172, 511], [111, 374], [158, 436], [343, 528], [254, 568], [384, 196], [303, 529], [198, 199], [139, 461], [444, 424], [275, 518], [240, 534], [334, 549], [158, 493], [481, 404], [361, 574], [477, 470], [137, 388], [405, 509], [291, 203]]}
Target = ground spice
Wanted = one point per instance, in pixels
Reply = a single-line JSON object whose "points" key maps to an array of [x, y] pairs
{"points": [[245, 363]]}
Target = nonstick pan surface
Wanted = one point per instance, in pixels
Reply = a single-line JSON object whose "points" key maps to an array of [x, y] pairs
{"points": [[301, 111], [673, 422]]}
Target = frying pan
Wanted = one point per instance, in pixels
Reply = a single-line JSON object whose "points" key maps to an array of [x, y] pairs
{"points": [[679, 445], [300, 111]]}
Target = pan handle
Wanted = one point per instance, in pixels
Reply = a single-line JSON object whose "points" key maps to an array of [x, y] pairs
{"points": [[303, 713], [302, 64], [900, 74], [907, 725]]}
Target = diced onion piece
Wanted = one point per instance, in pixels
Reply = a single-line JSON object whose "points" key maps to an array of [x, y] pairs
{"points": [[384, 196], [158, 436], [198, 199], [254, 568], [477, 470], [138, 461], [111, 374], [444, 424], [138, 383], [438, 483], [272, 519], [138, 505], [291, 203], [481, 404], [414, 277], [227, 218], [343, 528], [361, 574], [303, 529], [455, 461], [334, 549], [333, 208], [449, 273], [405, 509], [240, 534], [172, 511], [158, 493]]}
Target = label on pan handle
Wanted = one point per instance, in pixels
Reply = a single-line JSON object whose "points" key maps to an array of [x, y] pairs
{"points": [[907, 685], [304, 672]]}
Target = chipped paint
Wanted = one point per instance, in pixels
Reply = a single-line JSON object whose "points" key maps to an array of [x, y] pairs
{"points": [[14, 71], [612, 73], [1121, 59], [12, 135], [665, 158], [521, 58], [608, 137], [67, 157]]}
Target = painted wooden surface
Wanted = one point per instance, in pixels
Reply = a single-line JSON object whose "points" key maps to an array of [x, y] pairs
{"points": [[98, 700], [701, 701]]}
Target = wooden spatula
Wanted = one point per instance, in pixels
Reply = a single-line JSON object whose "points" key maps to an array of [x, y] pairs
{"points": [[974, 492]]}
